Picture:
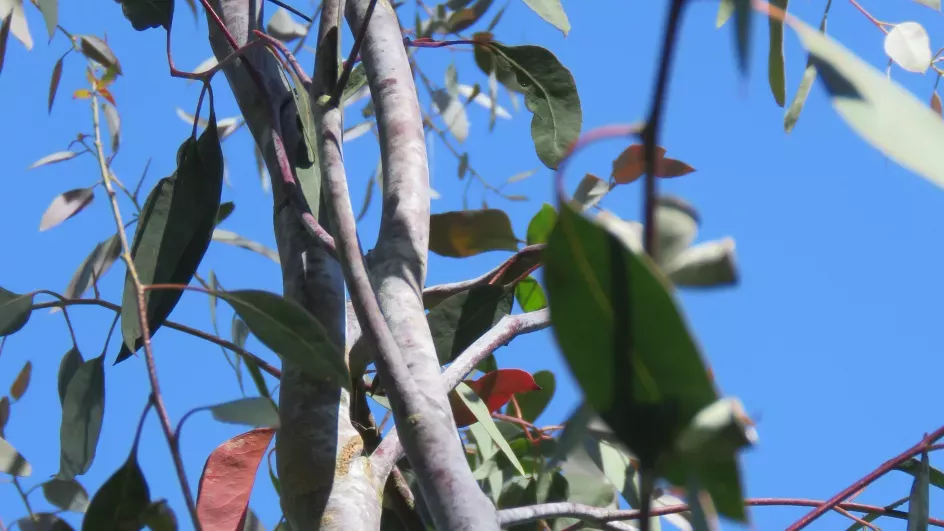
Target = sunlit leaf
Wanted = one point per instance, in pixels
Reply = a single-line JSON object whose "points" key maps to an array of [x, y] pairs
{"points": [[470, 232], [12, 462], [480, 411], [53, 158], [534, 403], [463, 18], [530, 295], [933, 4], [16, 23], [5, 24], [83, 407], [552, 12], [484, 100], [227, 479], [541, 225], [908, 45]]}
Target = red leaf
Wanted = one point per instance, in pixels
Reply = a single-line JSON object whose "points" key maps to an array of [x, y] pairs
{"points": [[226, 483], [631, 165], [495, 389], [672, 168]]}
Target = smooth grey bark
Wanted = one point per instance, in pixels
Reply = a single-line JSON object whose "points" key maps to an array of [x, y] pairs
{"points": [[325, 477]]}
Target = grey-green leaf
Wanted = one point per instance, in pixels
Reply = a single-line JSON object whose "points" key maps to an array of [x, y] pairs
{"points": [[50, 10], [93, 268], [70, 363], [66, 205], [257, 411], [15, 311], [98, 50], [775, 70], [122, 502], [919, 501], [552, 11], [806, 83], [66, 494], [291, 332], [82, 410]]}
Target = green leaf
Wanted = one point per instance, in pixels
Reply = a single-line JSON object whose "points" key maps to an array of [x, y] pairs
{"points": [[871, 517], [257, 411], [173, 233], [480, 410], [291, 332], [54, 82], [725, 10], [355, 82], [530, 295], [881, 111], [160, 517], [71, 361], [541, 224], [306, 163], [82, 411], [461, 319], [549, 89], [225, 210], [597, 289], [933, 4], [66, 494], [12, 462], [534, 403], [918, 502], [146, 14], [806, 83], [15, 311], [469, 232], [775, 73], [43, 522], [93, 268], [913, 468], [551, 11], [122, 502], [98, 50]]}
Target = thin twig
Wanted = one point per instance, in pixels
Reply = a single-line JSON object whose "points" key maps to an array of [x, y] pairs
{"points": [[351, 58], [142, 319]]}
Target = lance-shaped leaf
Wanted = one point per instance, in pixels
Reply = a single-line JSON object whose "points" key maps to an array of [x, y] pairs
{"points": [[98, 50], [173, 233], [83, 407], [231, 238], [50, 10], [22, 380], [495, 389], [15, 22], [453, 113], [918, 502], [480, 98], [933, 4], [461, 319], [122, 502], [549, 89], [775, 71], [629, 347], [5, 24], [68, 366], [291, 332], [471, 400], [53, 158], [631, 165], [12, 462], [227, 479], [93, 268], [256, 411], [464, 17], [913, 466], [66, 205], [881, 111], [553, 12], [54, 83], [15, 311], [68, 495], [283, 27], [470, 232], [806, 83], [146, 14]]}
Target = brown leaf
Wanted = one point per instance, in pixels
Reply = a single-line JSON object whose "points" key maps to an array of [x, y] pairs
{"points": [[228, 476], [66, 205], [22, 381], [672, 168], [54, 82], [4, 413], [936, 103], [631, 165], [469, 232]]}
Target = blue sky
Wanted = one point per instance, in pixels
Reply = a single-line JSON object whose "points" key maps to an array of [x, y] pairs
{"points": [[831, 339]]}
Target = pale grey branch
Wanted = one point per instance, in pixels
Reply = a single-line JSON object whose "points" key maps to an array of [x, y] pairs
{"points": [[588, 513]]}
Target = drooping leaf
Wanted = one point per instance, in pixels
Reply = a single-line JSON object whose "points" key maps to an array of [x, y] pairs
{"points": [[5, 24], [93, 268], [356, 82], [98, 50], [871, 517], [173, 234], [530, 295], [283, 27], [541, 224], [775, 71], [12, 462], [68, 366], [307, 167], [463, 18], [146, 14], [50, 10], [461, 319], [16, 19], [66, 205], [549, 89], [909, 46], [881, 111], [15, 311], [646, 388], [936, 104], [113, 121], [742, 32], [534, 403], [54, 80], [291, 332], [471, 400], [227, 479], [4, 413], [256, 411], [495, 389], [82, 410], [66, 494], [231, 238], [918, 502], [21, 383], [553, 12], [469, 232], [806, 83], [59, 156], [122, 502]]}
